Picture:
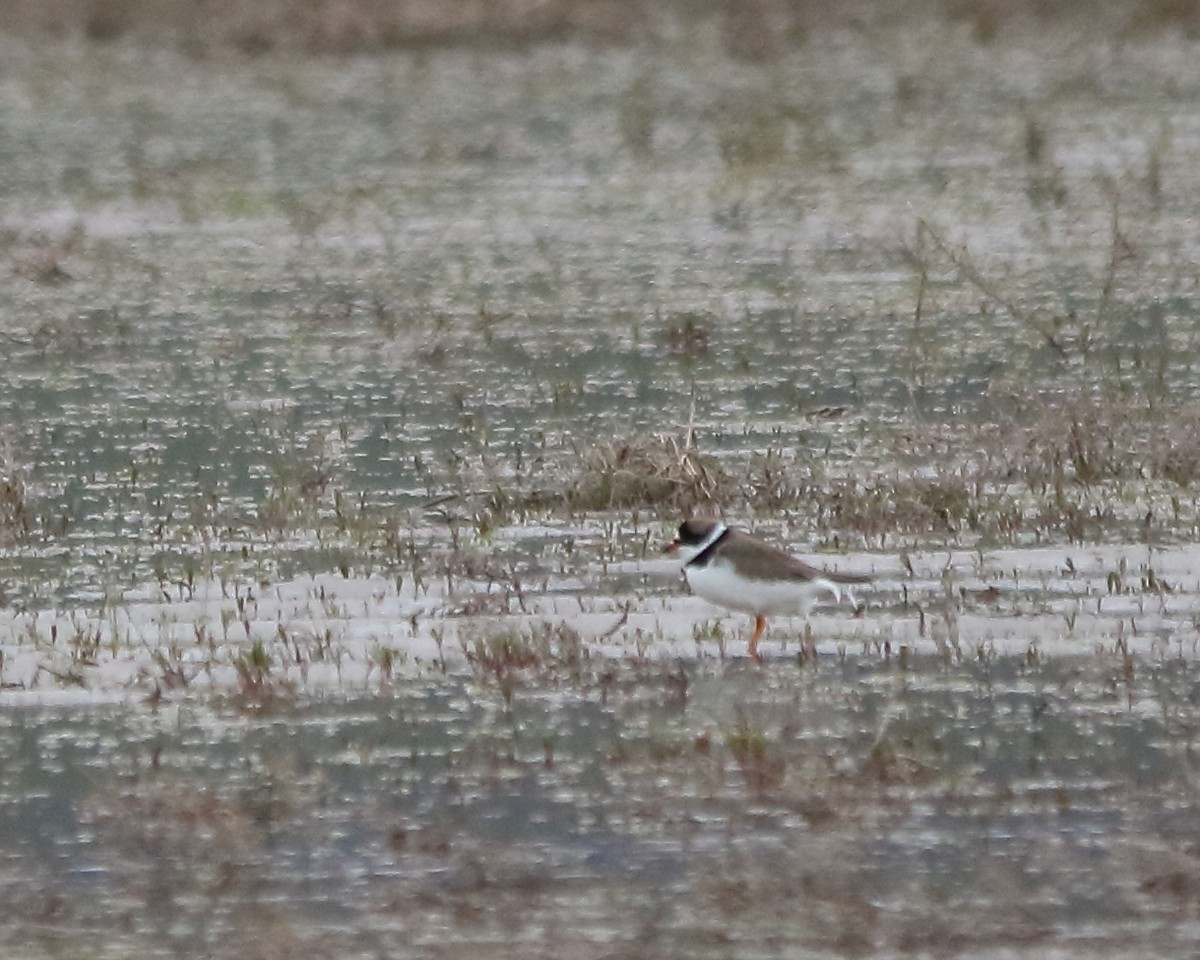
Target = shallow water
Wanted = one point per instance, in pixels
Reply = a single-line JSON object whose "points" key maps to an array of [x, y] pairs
{"points": [[254, 694], [846, 805]]}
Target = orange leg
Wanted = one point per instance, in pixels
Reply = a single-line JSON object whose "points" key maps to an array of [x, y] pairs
{"points": [[760, 624]]}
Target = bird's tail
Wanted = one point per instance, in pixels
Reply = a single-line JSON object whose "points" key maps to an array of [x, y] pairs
{"points": [[839, 585]]}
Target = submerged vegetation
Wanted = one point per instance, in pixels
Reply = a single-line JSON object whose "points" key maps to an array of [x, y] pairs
{"points": [[902, 812]]}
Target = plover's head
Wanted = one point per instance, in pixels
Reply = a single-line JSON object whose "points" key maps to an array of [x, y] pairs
{"points": [[693, 536]]}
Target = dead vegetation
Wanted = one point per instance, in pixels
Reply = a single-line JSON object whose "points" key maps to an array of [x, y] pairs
{"points": [[1055, 469], [1069, 469], [750, 31], [646, 471], [1059, 468], [1085, 441]]}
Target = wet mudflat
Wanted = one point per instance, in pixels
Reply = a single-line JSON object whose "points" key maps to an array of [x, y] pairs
{"points": [[347, 401]]}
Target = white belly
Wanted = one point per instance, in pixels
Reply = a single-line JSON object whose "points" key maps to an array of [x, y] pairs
{"points": [[717, 583]]}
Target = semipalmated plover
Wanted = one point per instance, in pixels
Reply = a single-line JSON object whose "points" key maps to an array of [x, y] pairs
{"points": [[733, 569]]}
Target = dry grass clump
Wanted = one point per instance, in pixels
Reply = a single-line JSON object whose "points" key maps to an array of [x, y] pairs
{"points": [[659, 472], [647, 471]]}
